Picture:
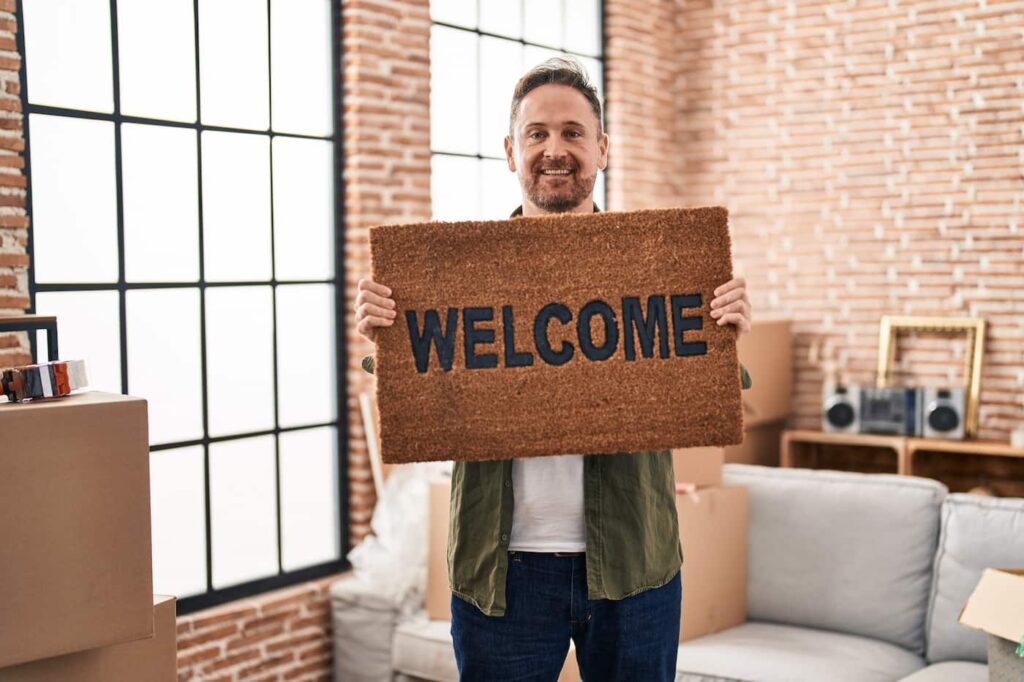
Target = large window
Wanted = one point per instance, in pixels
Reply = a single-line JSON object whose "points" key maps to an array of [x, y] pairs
{"points": [[182, 160], [478, 50]]}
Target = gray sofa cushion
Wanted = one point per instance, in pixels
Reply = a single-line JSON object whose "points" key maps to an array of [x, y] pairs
{"points": [[423, 650], [977, 533], [951, 671], [841, 551], [768, 652]]}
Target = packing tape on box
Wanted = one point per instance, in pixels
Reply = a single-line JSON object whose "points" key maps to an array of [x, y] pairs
{"points": [[45, 380]]}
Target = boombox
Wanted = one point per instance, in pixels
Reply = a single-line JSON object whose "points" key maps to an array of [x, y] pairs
{"points": [[927, 412]]}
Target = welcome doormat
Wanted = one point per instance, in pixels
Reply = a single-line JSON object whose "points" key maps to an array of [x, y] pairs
{"points": [[560, 334]]}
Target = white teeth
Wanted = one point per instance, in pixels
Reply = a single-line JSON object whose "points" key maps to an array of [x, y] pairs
{"points": [[555, 172]]}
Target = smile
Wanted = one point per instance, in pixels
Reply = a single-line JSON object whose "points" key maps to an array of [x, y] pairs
{"points": [[555, 172]]}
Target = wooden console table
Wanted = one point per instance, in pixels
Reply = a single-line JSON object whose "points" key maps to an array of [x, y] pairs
{"points": [[960, 465]]}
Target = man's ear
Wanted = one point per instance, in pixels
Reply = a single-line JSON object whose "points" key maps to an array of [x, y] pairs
{"points": [[602, 147], [509, 154]]}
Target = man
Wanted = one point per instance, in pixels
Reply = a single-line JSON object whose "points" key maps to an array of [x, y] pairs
{"points": [[584, 546]]}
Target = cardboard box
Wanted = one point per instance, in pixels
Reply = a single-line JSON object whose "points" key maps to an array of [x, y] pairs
{"points": [[700, 466], [766, 352], [153, 659], [760, 445], [997, 607], [438, 593], [75, 525], [713, 532]]}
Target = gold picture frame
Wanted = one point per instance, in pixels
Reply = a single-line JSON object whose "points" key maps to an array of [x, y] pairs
{"points": [[972, 327]]}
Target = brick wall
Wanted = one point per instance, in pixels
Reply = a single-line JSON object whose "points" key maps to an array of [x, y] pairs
{"points": [[387, 172], [870, 155], [282, 635], [13, 219]]}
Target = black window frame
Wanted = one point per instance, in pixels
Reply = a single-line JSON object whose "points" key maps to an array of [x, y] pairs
{"points": [[215, 596]]}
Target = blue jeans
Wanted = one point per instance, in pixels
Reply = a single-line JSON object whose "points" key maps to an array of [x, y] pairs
{"points": [[635, 638]]}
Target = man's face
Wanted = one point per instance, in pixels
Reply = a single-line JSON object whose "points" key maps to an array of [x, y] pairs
{"points": [[556, 150]]}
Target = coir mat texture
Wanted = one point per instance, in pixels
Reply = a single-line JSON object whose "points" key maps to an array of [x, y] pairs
{"points": [[561, 334]]}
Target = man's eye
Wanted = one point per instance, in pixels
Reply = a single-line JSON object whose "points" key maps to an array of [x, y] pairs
{"points": [[574, 133], [536, 135]]}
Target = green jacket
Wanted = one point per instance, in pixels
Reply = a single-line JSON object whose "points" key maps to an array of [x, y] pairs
{"points": [[632, 531]]}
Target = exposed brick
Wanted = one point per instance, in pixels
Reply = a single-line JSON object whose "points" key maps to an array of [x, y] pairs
{"points": [[17, 199], [8, 281], [207, 635], [198, 656], [277, 661], [13, 221], [15, 302], [231, 661], [8, 6]]}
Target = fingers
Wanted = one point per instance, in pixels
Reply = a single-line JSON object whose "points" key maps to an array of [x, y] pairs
{"points": [[367, 284], [736, 283], [741, 322], [730, 296], [367, 326], [741, 306], [369, 309]]}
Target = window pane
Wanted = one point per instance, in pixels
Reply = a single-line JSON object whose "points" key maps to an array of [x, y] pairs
{"points": [[309, 498], [533, 55], [599, 192], [454, 187], [233, 63], [459, 12], [157, 59], [300, 48], [596, 73], [305, 354], [454, 106], [236, 206], [74, 200], [501, 17], [499, 190], [583, 26], [243, 510], [239, 357], [163, 361], [179, 521], [303, 209], [67, 54], [542, 22], [161, 203], [89, 328], [500, 60]]}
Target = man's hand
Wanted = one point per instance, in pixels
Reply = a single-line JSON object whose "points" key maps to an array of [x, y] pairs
{"points": [[374, 308], [731, 305]]}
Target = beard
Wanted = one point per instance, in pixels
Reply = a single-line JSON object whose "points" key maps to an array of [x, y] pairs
{"points": [[561, 196]]}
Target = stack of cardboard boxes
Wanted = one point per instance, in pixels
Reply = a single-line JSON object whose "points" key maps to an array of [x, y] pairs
{"points": [[713, 534], [76, 586], [766, 352]]}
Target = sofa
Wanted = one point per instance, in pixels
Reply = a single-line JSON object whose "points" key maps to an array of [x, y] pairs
{"points": [[851, 578]]}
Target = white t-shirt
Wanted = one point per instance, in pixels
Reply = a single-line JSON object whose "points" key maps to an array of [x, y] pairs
{"points": [[547, 512]]}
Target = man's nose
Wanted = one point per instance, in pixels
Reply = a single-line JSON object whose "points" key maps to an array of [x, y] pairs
{"points": [[553, 148]]}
